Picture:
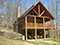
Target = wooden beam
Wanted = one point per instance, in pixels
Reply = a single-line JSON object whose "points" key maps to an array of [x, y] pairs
{"points": [[38, 16], [31, 15], [35, 12], [26, 33], [39, 9], [45, 17], [55, 34], [39, 27], [44, 27], [51, 28], [42, 13], [26, 28], [35, 27], [35, 33]]}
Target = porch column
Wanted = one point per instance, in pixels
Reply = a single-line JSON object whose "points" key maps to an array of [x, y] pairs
{"points": [[35, 27], [44, 27], [26, 28], [51, 28], [55, 33]]}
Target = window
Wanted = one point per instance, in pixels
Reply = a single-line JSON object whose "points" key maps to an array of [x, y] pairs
{"points": [[30, 17]]}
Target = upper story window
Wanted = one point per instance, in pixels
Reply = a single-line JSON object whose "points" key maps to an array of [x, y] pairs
{"points": [[30, 17]]}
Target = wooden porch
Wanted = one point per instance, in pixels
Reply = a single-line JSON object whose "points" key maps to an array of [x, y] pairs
{"points": [[34, 22], [36, 26]]}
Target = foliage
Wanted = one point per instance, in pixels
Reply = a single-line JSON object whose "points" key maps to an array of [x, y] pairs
{"points": [[10, 27], [5, 26], [59, 37]]}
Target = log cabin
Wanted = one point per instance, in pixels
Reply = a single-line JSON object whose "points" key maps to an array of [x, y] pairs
{"points": [[34, 23]]}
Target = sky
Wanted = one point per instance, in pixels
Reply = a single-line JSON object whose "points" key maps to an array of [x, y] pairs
{"points": [[30, 4], [27, 5]]}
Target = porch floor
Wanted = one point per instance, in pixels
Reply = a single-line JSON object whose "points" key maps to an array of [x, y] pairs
{"points": [[37, 39]]}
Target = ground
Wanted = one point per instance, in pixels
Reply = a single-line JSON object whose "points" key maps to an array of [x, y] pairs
{"points": [[5, 41]]}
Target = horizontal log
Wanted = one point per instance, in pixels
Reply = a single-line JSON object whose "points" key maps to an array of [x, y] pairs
{"points": [[38, 16]]}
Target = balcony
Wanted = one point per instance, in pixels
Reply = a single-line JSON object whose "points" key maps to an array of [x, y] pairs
{"points": [[37, 25]]}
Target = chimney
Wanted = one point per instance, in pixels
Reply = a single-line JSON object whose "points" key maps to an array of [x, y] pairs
{"points": [[18, 11]]}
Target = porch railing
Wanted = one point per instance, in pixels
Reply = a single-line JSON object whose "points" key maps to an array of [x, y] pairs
{"points": [[37, 25]]}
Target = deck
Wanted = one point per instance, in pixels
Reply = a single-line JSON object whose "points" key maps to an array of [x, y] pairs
{"points": [[38, 26]]}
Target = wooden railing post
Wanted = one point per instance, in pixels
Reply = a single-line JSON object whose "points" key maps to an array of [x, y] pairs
{"points": [[44, 27], [51, 28], [35, 27], [26, 28]]}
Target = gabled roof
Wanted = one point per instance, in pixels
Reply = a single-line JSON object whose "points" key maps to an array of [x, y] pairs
{"points": [[36, 8]]}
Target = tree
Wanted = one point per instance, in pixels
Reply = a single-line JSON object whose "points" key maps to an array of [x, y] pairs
{"points": [[56, 15]]}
